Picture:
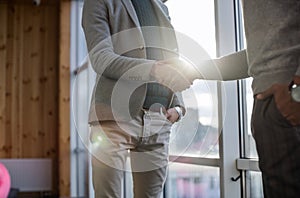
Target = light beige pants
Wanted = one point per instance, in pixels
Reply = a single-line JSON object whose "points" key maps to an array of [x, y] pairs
{"points": [[145, 140]]}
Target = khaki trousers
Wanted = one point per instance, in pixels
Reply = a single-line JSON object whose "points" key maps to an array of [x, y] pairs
{"points": [[145, 140]]}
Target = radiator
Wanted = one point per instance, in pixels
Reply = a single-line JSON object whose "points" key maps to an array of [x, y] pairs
{"points": [[30, 175]]}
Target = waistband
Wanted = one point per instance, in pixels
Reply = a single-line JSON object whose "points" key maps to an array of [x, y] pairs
{"points": [[156, 108]]}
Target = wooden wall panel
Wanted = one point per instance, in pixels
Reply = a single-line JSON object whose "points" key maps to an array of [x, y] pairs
{"points": [[31, 98], [64, 99], [50, 81], [8, 87], [3, 56], [15, 68], [29, 62]]}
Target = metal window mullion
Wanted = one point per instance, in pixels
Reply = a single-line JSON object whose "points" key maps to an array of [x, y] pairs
{"points": [[244, 141], [228, 103], [73, 138], [229, 142], [78, 166]]}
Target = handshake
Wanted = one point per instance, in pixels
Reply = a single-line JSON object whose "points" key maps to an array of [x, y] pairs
{"points": [[175, 74]]}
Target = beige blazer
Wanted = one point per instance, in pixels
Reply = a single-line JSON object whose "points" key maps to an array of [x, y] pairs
{"points": [[117, 54]]}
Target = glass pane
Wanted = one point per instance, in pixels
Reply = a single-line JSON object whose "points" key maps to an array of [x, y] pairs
{"points": [[192, 181], [196, 19], [254, 184], [198, 134], [250, 144], [79, 132], [81, 44], [81, 107]]}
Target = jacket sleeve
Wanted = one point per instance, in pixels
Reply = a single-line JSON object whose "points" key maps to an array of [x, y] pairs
{"points": [[104, 59], [178, 101]]}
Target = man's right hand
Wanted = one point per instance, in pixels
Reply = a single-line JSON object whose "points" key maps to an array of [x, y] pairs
{"points": [[284, 102], [174, 74]]}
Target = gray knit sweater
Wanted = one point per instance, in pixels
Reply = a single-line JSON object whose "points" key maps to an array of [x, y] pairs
{"points": [[273, 41]]}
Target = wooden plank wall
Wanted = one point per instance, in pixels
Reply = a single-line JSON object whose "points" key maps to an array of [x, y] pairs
{"points": [[64, 98], [29, 81]]}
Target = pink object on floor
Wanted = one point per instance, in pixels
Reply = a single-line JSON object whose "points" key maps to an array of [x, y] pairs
{"points": [[4, 182]]}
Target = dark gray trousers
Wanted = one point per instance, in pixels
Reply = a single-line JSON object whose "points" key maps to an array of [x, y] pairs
{"points": [[278, 147]]}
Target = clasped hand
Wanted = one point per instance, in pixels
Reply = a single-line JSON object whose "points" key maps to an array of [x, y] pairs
{"points": [[175, 74]]}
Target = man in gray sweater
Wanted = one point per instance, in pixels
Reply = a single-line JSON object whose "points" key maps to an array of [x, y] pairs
{"points": [[272, 58], [273, 51]]}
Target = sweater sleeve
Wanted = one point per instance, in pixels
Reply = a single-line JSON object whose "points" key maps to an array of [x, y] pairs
{"points": [[298, 70], [230, 67]]}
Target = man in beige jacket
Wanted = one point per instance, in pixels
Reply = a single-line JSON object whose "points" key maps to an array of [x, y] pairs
{"points": [[134, 103]]}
